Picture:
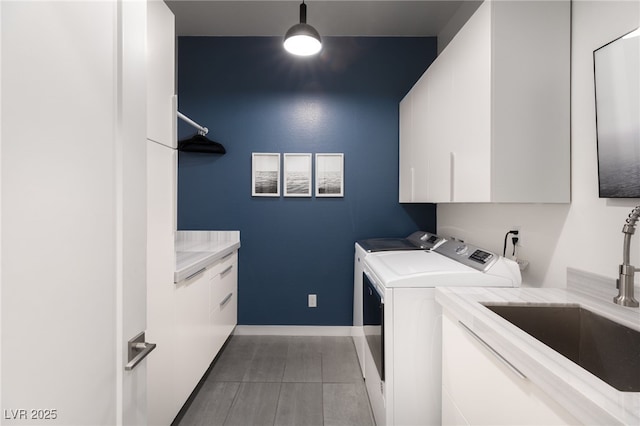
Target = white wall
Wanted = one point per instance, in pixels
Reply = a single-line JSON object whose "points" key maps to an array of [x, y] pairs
{"points": [[585, 234]]}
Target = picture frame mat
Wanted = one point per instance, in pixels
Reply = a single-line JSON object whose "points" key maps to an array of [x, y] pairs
{"points": [[329, 175], [297, 175], [265, 174]]}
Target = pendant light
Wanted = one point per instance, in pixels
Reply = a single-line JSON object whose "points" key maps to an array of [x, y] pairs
{"points": [[302, 39]]}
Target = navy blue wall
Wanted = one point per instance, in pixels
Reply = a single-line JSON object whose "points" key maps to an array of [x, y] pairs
{"points": [[256, 98]]}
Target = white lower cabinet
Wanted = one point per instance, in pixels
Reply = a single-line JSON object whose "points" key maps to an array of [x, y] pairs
{"points": [[191, 342], [191, 321], [223, 306], [480, 389]]}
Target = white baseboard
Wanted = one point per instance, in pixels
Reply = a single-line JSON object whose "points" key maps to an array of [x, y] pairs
{"points": [[291, 330]]}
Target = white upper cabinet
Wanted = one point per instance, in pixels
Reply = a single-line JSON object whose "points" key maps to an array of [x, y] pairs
{"points": [[406, 147], [490, 117], [413, 154], [437, 118], [161, 100]]}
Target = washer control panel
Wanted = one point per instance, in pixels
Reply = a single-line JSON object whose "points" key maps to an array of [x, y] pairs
{"points": [[425, 240], [467, 254]]}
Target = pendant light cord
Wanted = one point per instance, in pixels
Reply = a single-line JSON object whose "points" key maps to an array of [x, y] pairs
{"points": [[303, 13]]}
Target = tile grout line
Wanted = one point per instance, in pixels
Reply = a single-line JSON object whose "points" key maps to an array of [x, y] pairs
{"points": [[235, 397], [275, 414]]}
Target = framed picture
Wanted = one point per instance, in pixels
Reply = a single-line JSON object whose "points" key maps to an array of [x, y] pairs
{"points": [[265, 175], [616, 68], [329, 175], [297, 175]]}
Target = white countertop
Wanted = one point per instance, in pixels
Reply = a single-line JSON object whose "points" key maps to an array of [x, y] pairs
{"points": [[588, 398], [196, 250]]}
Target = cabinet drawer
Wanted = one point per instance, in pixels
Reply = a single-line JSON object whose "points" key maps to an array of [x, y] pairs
{"points": [[222, 284], [223, 263], [223, 305], [226, 314]]}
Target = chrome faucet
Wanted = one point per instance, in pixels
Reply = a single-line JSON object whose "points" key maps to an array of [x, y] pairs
{"points": [[625, 282]]}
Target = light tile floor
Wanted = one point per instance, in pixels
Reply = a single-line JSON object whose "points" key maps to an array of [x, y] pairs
{"points": [[283, 380]]}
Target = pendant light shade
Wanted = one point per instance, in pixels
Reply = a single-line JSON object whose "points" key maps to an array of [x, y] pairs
{"points": [[302, 39]]}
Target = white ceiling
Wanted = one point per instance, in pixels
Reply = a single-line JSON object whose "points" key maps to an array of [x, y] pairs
{"points": [[329, 17]]}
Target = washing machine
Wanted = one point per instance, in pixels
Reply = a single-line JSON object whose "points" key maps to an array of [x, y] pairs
{"points": [[417, 241], [402, 323]]}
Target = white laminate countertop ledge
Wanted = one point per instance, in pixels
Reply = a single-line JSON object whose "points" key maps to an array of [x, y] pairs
{"points": [[588, 398], [196, 250]]}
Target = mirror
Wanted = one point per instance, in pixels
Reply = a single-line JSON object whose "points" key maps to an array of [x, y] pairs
{"points": [[617, 86]]}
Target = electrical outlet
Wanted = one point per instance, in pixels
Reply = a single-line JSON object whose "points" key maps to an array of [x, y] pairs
{"points": [[519, 229], [312, 300]]}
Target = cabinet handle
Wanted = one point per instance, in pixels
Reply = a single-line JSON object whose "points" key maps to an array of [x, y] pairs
{"points": [[493, 351], [174, 121], [195, 273], [226, 256], [226, 270], [452, 175], [226, 299], [413, 184]]}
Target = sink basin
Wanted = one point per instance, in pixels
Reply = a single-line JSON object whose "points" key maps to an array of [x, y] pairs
{"points": [[603, 347]]}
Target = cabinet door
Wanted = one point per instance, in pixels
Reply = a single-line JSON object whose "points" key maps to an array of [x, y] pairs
{"points": [[469, 64], [161, 225], [161, 102], [438, 130], [420, 152], [193, 335], [531, 101], [482, 390], [164, 384], [405, 189], [413, 145]]}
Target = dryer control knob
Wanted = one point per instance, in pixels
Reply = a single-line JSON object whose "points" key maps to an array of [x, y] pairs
{"points": [[462, 249]]}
